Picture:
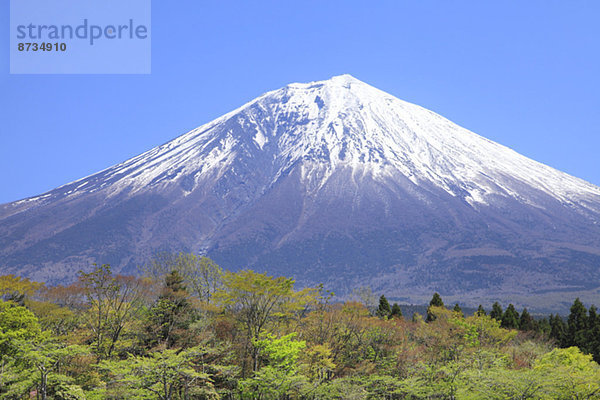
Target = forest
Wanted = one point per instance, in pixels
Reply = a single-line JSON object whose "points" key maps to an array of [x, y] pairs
{"points": [[186, 329]]}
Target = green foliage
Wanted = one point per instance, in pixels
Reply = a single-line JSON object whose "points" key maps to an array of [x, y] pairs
{"points": [[53, 317], [280, 376], [436, 301], [510, 319], [114, 303], [558, 329], [396, 311], [36, 363], [526, 322], [16, 289], [480, 310], [577, 325], [569, 374], [496, 312], [17, 325], [255, 337], [172, 313], [318, 363], [384, 310], [458, 310], [593, 334], [165, 374], [201, 275], [257, 301]]}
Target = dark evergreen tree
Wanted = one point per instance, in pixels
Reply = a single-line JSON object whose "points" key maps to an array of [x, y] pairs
{"points": [[496, 312], [542, 326], [436, 301], [458, 309], [593, 333], [172, 313], [384, 310], [526, 322], [480, 311], [558, 329], [577, 325], [510, 319], [396, 311]]}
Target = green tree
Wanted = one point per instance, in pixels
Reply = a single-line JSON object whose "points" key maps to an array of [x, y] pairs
{"points": [[569, 374], [510, 319], [14, 288], [577, 325], [40, 362], [257, 300], [165, 374], [201, 275], [558, 329], [384, 310], [458, 310], [319, 363], [61, 321], [113, 303], [280, 377], [526, 321], [593, 333], [480, 311], [17, 325], [172, 313], [501, 383], [496, 312], [542, 326], [396, 311], [436, 301]]}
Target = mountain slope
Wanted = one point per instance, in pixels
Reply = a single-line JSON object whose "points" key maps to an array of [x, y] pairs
{"points": [[335, 182]]}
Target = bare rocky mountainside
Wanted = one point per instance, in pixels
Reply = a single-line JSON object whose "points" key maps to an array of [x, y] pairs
{"points": [[332, 182]]}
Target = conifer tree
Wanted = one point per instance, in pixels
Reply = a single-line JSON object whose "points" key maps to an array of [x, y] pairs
{"points": [[396, 311], [558, 329], [593, 334], [480, 311], [496, 312], [526, 322], [436, 301], [172, 312], [384, 310], [458, 310], [542, 326], [577, 325], [510, 319]]}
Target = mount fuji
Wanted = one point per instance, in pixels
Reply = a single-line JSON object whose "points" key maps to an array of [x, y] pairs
{"points": [[332, 182]]}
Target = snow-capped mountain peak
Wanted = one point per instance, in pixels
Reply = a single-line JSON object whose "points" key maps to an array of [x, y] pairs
{"points": [[343, 123], [331, 181]]}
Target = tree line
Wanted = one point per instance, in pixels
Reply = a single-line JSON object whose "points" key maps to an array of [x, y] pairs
{"points": [[187, 329], [581, 329]]}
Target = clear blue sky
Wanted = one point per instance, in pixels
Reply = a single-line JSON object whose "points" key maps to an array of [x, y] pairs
{"points": [[525, 74]]}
